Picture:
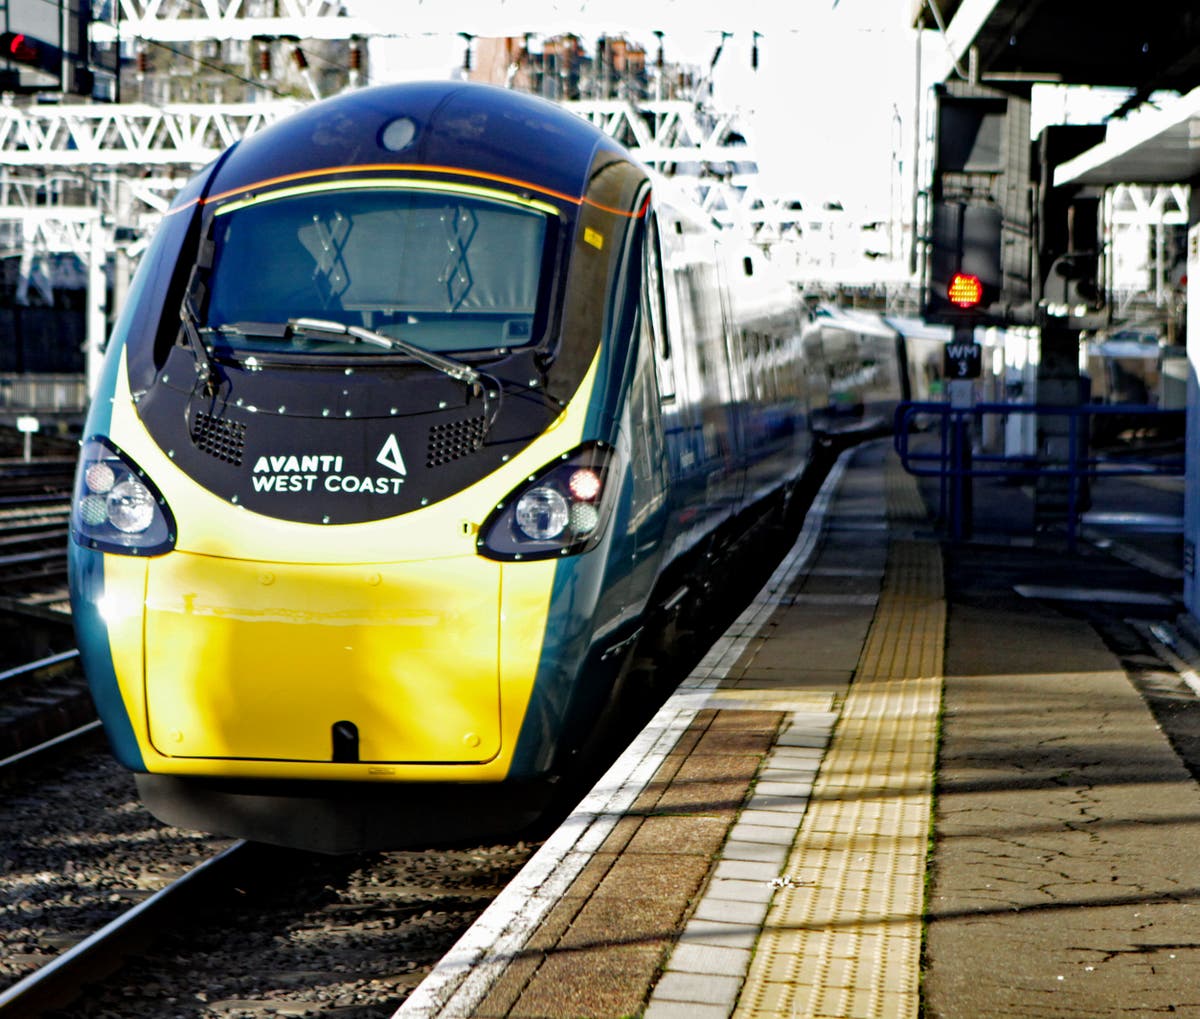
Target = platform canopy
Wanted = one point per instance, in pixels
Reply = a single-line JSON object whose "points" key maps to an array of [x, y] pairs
{"points": [[1148, 46], [1160, 147]]}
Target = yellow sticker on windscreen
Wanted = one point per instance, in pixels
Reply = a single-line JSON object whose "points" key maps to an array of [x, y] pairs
{"points": [[593, 237]]}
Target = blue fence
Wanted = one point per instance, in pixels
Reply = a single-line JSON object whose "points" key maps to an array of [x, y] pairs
{"points": [[951, 459]]}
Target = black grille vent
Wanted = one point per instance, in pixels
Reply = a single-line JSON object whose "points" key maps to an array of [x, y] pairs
{"points": [[454, 440], [219, 437]]}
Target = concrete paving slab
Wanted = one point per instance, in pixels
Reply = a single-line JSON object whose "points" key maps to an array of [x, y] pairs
{"points": [[610, 981], [1069, 887], [1064, 825], [730, 911], [770, 834], [803, 738], [701, 766], [738, 890], [694, 958], [792, 676], [787, 804], [745, 870], [698, 987], [698, 835], [754, 852], [720, 934], [685, 1010], [657, 877]]}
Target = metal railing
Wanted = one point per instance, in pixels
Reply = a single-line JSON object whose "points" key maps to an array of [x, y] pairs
{"points": [[45, 393], [1065, 450]]}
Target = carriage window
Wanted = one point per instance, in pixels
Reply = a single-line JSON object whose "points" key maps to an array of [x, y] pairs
{"points": [[449, 271]]}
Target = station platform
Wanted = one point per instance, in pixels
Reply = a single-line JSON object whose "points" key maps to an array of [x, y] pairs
{"points": [[913, 778]]}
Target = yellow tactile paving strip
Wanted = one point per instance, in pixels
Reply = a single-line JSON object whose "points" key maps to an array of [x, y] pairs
{"points": [[843, 935]]}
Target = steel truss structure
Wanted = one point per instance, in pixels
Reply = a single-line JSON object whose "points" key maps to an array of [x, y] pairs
{"points": [[1137, 219], [151, 151], [198, 20], [129, 136]]}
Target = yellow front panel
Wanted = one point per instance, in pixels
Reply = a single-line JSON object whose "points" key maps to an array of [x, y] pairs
{"points": [[259, 660]]}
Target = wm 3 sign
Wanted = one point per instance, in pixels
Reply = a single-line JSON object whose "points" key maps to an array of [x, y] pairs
{"points": [[961, 360]]}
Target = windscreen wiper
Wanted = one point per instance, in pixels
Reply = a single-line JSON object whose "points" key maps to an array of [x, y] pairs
{"points": [[489, 391], [446, 365], [206, 366]]}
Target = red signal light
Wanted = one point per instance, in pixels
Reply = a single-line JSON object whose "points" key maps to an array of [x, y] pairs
{"points": [[19, 48], [965, 290], [22, 49]]}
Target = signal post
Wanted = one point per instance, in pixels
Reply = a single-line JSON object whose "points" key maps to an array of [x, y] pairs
{"points": [[980, 210], [1006, 247], [961, 364], [1068, 300]]}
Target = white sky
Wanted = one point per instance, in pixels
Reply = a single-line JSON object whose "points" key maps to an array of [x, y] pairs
{"points": [[831, 105], [831, 109]]}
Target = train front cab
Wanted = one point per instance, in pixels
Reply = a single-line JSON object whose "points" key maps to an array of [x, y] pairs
{"points": [[282, 680], [285, 700]]}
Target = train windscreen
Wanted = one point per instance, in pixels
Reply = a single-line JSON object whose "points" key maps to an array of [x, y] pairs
{"points": [[446, 270]]}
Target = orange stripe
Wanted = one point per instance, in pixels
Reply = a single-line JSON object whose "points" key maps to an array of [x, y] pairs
{"points": [[409, 167]]}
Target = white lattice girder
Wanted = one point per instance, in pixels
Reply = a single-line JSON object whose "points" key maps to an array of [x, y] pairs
{"points": [[1148, 204], [191, 20], [198, 20], [129, 135], [27, 190], [130, 138], [59, 230], [663, 131], [195, 133], [153, 193]]}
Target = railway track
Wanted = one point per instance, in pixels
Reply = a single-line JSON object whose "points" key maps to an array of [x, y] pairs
{"points": [[57, 984], [105, 912], [34, 516], [40, 700]]}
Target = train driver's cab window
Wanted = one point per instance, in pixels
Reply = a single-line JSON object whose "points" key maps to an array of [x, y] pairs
{"points": [[654, 298], [446, 270]]}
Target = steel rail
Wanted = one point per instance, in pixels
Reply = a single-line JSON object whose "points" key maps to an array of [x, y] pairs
{"points": [[60, 981], [41, 663], [33, 557], [34, 754]]}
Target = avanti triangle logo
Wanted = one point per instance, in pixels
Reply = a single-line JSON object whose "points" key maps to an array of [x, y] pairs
{"points": [[391, 457]]}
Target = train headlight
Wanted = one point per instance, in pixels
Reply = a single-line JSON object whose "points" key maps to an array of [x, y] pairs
{"points": [[542, 513], [115, 507], [130, 506], [560, 510]]}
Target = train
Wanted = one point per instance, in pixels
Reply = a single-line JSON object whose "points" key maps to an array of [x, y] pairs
{"points": [[427, 405]]}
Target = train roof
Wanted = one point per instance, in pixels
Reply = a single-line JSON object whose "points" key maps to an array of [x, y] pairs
{"points": [[436, 124], [853, 318], [919, 329]]}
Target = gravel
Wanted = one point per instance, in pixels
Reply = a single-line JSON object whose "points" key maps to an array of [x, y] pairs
{"points": [[299, 935], [76, 850]]}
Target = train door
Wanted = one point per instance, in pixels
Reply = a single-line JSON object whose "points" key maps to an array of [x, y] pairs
{"points": [[654, 303], [736, 391], [676, 353], [651, 397]]}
